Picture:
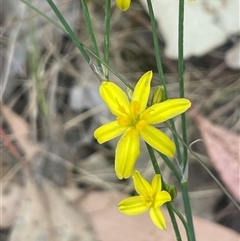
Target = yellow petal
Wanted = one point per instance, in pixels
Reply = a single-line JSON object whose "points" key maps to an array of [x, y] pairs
{"points": [[127, 152], [108, 131], [166, 110], [157, 184], [142, 90], [123, 4], [132, 206], [158, 140], [141, 185], [157, 218], [114, 97], [161, 198]]}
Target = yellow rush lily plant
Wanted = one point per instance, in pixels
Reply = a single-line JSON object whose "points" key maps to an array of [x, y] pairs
{"points": [[134, 119], [151, 197]]}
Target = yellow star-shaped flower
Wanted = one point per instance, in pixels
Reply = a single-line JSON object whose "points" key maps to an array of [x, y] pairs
{"points": [[135, 120], [151, 197]]}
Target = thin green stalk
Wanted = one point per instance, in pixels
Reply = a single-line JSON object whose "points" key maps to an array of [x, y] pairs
{"points": [[83, 49], [171, 166], [216, 180], [188, 210], [186, 201], [181, 76], [207, 170], [170, 211], [174, 222], [112, 70], [90, 30], [156, 47], [184, 135], [43, 15], [159, 65], [107, 34], [153, 159], [69, 30], [178, 151], [160, 70], [182, 220], [180, 48], [166, 160]]}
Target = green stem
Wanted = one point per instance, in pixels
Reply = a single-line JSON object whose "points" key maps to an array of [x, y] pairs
{"points": [[178, 151], [153, 159], [188, 211], [170, 211], [44, 15], [184, 187], [83, 49], [166, 160], [180, 48], [160, 70], [184, 179], [181, 76], [90, 30], [170, 166], [112, 70], [174, 222], [159, 65], [69, 30], [156, 47], [182, 220], [107, 34]]}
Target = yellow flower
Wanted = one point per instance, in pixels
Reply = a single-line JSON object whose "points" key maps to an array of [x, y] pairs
{"points": [[151, 197], [123, 4], [135, 120]]}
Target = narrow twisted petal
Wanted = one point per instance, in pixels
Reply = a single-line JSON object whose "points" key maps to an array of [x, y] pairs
{"points": [[115, 98], [108, 131], [127, 152], [123, 4], [168, 109], [156, 184], [141, 185], [157, 217], [158, 140], [161, 198], [132, 206], [142, 90]]}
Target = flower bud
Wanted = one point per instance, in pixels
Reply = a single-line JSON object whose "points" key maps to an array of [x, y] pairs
{"points": [[158, 95], [172, 190], [123, 4]]}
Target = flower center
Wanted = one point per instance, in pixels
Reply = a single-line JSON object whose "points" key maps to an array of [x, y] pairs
{"points": [[134, 118], [148, 199]]}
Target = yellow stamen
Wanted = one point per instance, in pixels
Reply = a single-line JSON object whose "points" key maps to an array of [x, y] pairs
{"points": [[141, 125], [123, 121], [135, 108]]}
